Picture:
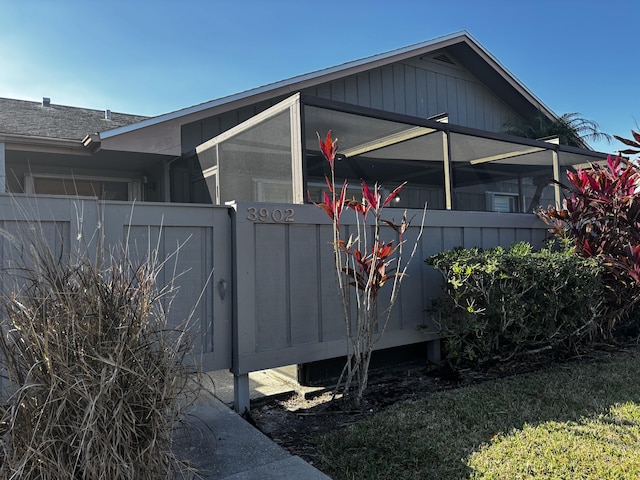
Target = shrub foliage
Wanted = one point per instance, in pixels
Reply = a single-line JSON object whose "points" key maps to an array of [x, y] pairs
{"points": [[501, 303], [600, 214]]}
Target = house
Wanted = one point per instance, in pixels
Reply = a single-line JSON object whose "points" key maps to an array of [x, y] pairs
{"points": [[429, 113]]}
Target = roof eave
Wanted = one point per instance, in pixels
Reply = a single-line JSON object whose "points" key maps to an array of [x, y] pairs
{"points": [[510, 77], [301, 82], [31, 140]]}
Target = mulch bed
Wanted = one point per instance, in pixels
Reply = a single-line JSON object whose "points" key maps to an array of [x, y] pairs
{"points": [[297, 421]]}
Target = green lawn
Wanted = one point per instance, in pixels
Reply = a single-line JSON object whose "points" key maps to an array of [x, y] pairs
{"points": [[580, 420]]}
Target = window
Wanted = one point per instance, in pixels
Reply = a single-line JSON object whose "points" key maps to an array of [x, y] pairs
{"points": [[502, 202], [104, 188]]}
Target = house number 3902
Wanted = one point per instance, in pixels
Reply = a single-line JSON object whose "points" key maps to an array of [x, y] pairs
{"points": [[276, 215]]}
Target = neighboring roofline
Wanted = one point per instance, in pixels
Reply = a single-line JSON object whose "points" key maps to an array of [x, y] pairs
{"points": [[299, 82]]}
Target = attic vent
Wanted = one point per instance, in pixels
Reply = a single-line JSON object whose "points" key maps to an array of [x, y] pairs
{"points": [[443, 58], [107, 114], [46, 102]]}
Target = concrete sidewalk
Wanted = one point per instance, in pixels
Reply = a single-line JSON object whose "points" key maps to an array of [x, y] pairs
{"points": [[222, 445]]}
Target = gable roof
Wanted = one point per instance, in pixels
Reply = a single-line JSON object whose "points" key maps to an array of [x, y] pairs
{"points": [[34, 119], [461, 44]]}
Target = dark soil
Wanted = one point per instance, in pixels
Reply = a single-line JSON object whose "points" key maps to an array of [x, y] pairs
{"points": [[298, 420], [294, 422]]}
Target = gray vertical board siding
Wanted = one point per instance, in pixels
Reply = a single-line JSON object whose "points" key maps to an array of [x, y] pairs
{"points": [[280, 304], [245, 113], [323, 91], [338, 90], [272, 286], [228, 120], [414, 87], [441, 93], [450, 85], [25, 222], [462, 103], [375, 77], [363, 84], [191, 135], [452, 237], [351, 90], [287, 306], [472, 104], [407, 312], [399, 105], [194, 244], [411, 97], [507, 237], [79, 226], [244, 295], [388, 97], [472, 237], [432, 243], [422, 107], [417, 89], [490, 238], [210, 128], [332, 325], [432, 94], [303, 249]]}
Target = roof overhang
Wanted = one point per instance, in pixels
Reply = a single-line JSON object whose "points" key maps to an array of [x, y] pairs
{"points": [[42, 144], [462, 45]]}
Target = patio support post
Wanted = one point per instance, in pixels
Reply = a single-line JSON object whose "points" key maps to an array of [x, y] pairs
{"points": [[295, 116], [446, 153], [433, 351], [3, 174], [241, 399], [556, 177]]}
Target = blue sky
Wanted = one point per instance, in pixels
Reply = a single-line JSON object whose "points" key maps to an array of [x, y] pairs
{"points": [[152, 57]]}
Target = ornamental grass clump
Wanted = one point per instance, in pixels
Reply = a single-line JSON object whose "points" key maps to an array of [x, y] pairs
{"points": [[97, 381]]}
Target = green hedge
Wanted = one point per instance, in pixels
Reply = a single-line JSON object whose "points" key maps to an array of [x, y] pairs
{"points": [[500, 303]]}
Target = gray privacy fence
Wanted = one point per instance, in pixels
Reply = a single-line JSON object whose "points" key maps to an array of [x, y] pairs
{"points": [[256, 279], [195, 240], [287, 310]]}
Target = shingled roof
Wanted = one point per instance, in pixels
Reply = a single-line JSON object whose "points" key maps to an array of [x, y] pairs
{"points": [[34, 119]]}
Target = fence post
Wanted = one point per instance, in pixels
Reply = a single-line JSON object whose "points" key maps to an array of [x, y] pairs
{"points": [[433, 351], [241, 399]]}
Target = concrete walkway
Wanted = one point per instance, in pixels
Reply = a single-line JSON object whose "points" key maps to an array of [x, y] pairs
{"points": [[222, 445]]}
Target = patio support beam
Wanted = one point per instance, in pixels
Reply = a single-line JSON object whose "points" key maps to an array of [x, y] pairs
{"points": [[389, 140], [504, 156], [241, 399]]}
